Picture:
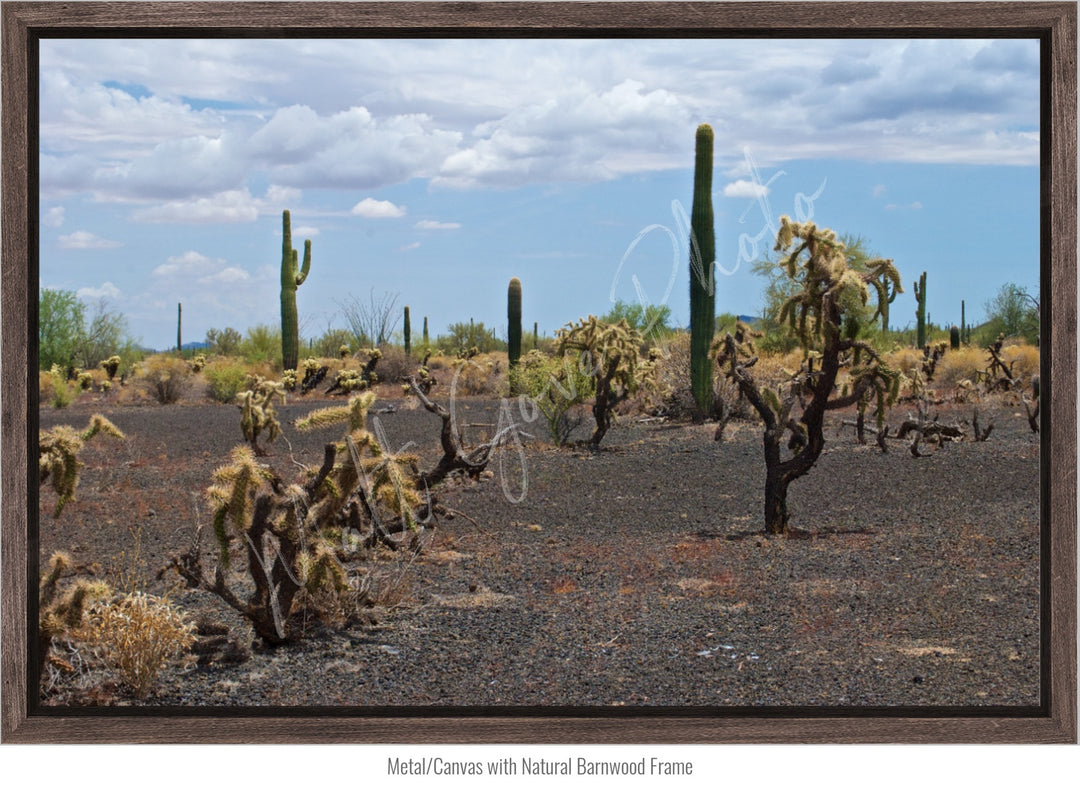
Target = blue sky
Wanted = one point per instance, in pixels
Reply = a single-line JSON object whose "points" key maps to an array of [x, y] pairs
{"points": [[438, 170]]}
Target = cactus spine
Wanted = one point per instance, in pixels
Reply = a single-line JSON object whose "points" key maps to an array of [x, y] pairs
{"points": [[179, 312], [702, 258], [920, 313], [292, 276], [407, 330], [513, 317]]}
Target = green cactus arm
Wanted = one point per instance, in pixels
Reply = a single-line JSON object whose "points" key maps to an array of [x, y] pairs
{"points": [[300, 277]]}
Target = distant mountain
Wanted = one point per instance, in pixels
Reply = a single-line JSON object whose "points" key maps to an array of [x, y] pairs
{"points": [[195, 346]]}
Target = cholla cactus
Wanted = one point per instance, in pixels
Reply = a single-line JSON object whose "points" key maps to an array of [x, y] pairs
{"points": [[111, 365], [610, 352], [197, 363], [289, 380], [62, 614], [344, 351], [85, 380], [58, 450], [286, 529], [257, 414], [829, 291]]}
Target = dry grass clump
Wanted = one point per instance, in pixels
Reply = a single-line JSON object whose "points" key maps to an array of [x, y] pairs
{"points": [[1023, 359], [907, 360], [136, 636], [957, 365]]}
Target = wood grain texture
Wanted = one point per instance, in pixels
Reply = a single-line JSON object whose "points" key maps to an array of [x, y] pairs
{"points": [[1054, 23]]}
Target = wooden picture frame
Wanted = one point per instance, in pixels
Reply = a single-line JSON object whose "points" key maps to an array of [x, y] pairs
{"points": [[1053, 24]]}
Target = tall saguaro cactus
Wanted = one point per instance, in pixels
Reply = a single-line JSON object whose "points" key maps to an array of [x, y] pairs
{"points": [[407, 331], [513, 317], [963, 324], [702, 259], [179, 314], [920, 312], [292, 276], [426, 342]]}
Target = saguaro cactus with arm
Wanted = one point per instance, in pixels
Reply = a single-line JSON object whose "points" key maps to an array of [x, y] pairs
{"points": [[292, 276]]}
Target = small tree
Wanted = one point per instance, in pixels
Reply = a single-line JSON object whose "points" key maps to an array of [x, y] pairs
{"points": [[828, 292], [609, 353], [1014, 312], [61, 317]]}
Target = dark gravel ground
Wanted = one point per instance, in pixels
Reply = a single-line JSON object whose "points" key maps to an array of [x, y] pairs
{"points": [[634, 576]]}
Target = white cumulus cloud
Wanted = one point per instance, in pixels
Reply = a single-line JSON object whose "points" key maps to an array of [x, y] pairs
{"points": [[746, 189], [80, 239], [54, 217], [370, 208], [107, 290]]}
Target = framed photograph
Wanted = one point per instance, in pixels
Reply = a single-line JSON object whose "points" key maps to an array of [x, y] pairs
{"points": [[561, 372]]}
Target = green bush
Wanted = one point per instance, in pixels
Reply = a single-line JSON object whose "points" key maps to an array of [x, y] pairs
{"points": [[555, 386], [262, 343], [225, 379]]}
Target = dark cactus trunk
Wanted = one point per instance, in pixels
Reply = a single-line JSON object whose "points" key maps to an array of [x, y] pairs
{"points": [[292, 276], [536, 336], [920, 312], [963, 324], [425, 334], [702, 258], [179, 339], [513, 317], [407, 330], [954, 338]]}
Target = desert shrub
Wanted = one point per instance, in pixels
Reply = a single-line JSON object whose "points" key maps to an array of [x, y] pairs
{"points": [[555, 386], [395, 366], [136, 635], [46, 386], [478, 376], [225, 378], [262, 344], [438, 361], [1023, 360], [907, 360], [164, 377], [61, 393], [958, 365]]}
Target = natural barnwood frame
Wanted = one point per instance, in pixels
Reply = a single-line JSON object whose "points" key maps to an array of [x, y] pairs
{"points": [[1053, 24]]}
